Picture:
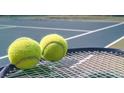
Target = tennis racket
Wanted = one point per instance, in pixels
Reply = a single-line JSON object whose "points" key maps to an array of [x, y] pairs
{"points": [[78, 63]]}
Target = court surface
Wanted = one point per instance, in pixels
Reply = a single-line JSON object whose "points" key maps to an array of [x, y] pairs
{"points": [[78, 33]]}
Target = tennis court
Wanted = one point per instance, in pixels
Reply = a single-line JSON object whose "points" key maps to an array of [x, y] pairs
{"points": [[79, 34]]}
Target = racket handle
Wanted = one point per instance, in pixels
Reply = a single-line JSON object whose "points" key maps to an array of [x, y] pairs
{"points": [[6, 70]]}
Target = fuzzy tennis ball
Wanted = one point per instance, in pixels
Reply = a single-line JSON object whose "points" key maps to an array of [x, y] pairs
{"points": [[53, 47], [24, 53]]}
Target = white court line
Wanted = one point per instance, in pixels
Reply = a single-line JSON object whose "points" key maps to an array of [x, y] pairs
{"points": [[93, 31], [48, 28], [81, 61], [6, 27], [90, 56], [76, 36], [3, 57], [115, 41]]}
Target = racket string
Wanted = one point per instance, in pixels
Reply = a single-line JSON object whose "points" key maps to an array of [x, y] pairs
{"points": [[102, 65], [81, 64]]}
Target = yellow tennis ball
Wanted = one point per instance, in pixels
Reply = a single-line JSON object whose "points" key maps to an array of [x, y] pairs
{"points": [[24, 53], [53, 47]]}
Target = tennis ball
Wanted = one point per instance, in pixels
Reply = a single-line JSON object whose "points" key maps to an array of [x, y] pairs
{"points": [[24, 53], [53, 47]]}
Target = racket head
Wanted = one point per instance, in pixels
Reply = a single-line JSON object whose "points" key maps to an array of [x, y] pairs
{"points": [[9, 68], [79, 63]]}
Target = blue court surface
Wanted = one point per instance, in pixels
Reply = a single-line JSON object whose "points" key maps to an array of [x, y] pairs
{"points": [[78, 33]]}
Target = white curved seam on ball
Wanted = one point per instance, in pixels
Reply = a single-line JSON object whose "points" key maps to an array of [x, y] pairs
{"points": [[54, 42]]}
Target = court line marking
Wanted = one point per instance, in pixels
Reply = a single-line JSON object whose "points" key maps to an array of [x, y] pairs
{"points": [[76, 36], [81, 61], [47, 28], [7, 27], [93, 31], [2, 57], [90, 56], [119, 39]]}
